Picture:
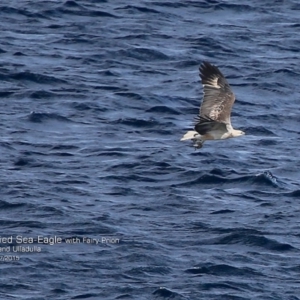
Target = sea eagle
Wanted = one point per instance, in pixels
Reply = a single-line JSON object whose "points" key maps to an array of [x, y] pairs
{"points": [[213, 121]]}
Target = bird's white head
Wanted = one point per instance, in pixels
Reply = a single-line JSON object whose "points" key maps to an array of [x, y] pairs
{"points": [[237, 133]]}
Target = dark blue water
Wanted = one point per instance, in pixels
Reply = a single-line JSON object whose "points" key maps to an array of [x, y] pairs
{"points": [[95, 96]]}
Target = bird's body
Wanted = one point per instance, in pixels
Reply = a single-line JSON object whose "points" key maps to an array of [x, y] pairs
{"points": [[213, 122]]}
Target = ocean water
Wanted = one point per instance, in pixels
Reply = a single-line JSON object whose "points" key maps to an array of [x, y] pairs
{"points": [[100, 199]]}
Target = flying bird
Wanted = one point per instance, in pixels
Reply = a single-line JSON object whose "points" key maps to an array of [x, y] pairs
{"points": [[213, 121]]}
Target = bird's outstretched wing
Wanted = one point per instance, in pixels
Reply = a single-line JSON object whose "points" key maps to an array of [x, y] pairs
{"points": [[218, 97]]}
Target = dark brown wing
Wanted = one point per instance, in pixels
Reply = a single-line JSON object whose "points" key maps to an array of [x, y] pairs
{"points": [[218, 97], [205, 125]]}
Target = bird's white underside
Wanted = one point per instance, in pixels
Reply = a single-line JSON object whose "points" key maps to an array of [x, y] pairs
{"points": [[213, 135]]}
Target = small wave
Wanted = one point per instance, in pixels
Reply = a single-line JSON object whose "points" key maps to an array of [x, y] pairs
{"points": [[287, 71], [268, 142], [253, 240], [71, 3], [5, 94], [294, 25], [86, 296], [23, 224], [111, 153], [109, 88], [11, 10], [41, 117], [64, 147], [138, 8], [143, 54], [58, 291], [53, 210], [38, 78], [133, 178], [263, 179], [121, 191], [170, 4], [141, 270], [133, 36], [223, 286], [42, 94], [20, 162], [19, 53], [163, 109], [8, 205], [29, 162], [165, 293], [222, 211], [130, 95], [259, 130], [208, 43], [235, 7], [71, 7], [137, 122], [62, 154], [221, 270], [186, 64], [295, 194]]}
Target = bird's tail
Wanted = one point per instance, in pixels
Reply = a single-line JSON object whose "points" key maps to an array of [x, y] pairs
{"points": [[189, 135]]}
